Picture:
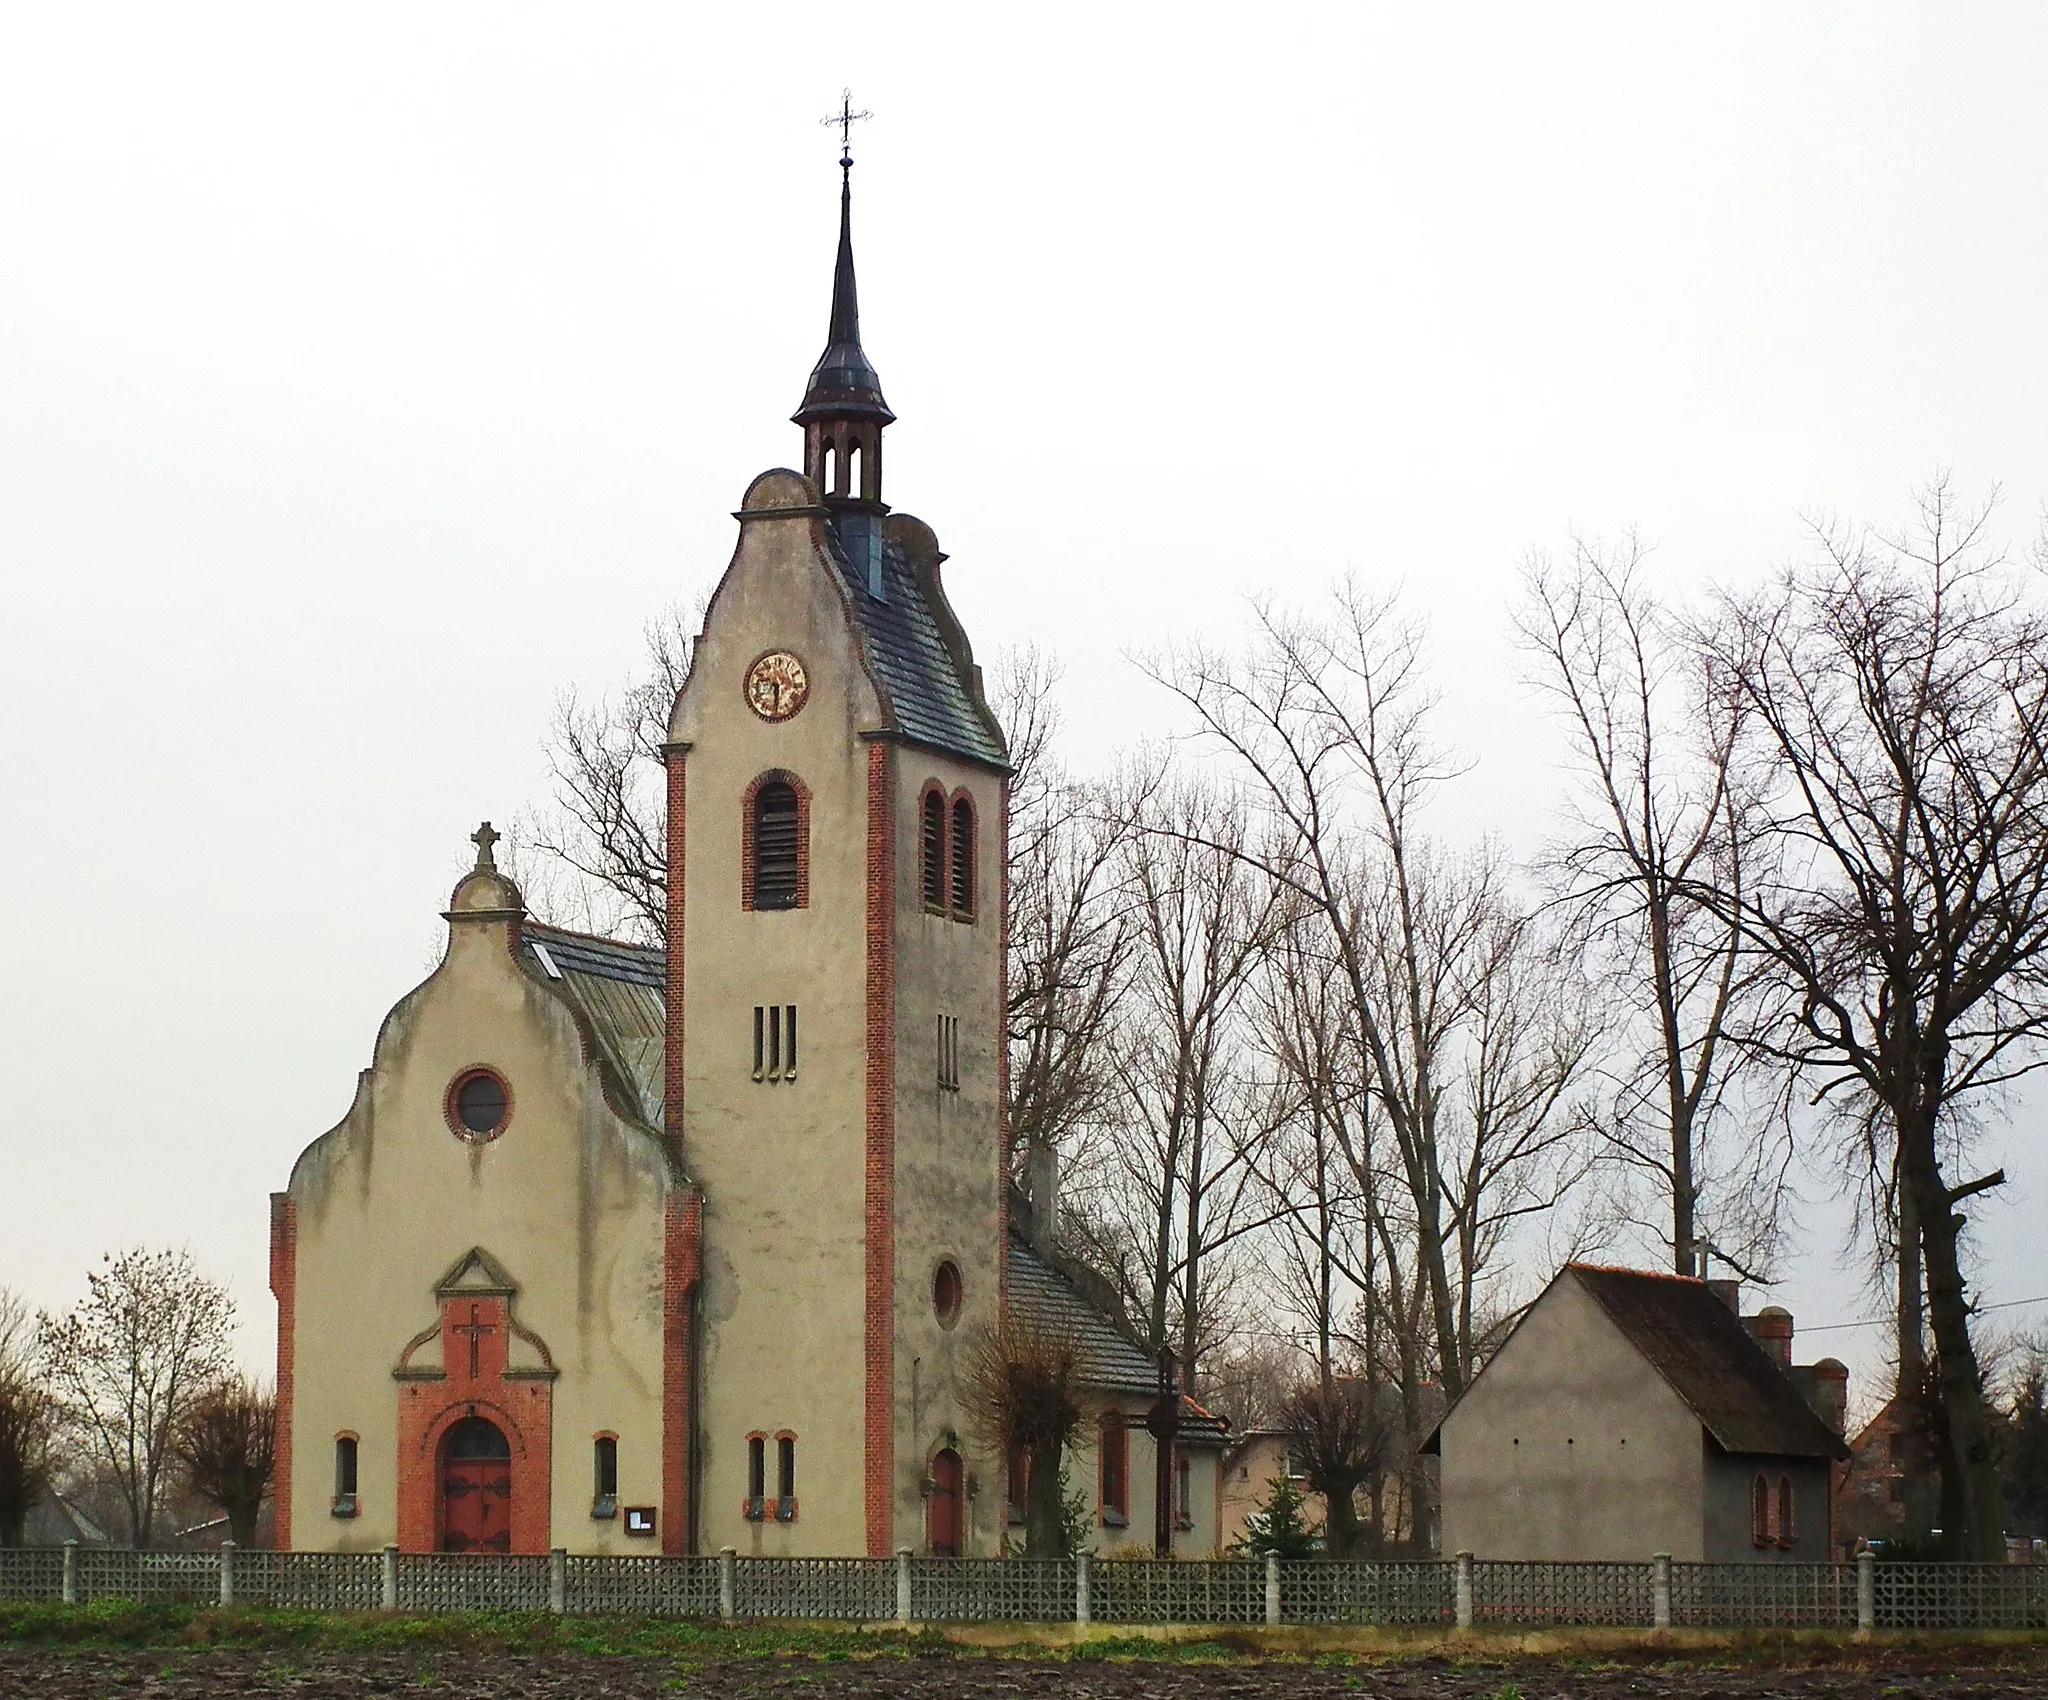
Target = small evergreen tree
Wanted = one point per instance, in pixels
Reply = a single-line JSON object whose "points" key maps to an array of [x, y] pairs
{"points": [[1077, 1520], [1279, 1525]]}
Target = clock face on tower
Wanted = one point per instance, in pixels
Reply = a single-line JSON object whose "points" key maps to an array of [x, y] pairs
{"points": [[777, 685]]}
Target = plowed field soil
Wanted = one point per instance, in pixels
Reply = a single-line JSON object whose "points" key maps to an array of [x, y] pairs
{"points": [[226, 1674]]}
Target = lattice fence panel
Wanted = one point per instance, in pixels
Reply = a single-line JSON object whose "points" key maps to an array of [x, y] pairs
{"points": [[313, 1581], [1327, 1590], [1165, 1590], [1589, 1594], [646, 1587], [31, 1573], [845, 1589], [1002, 1590], [1962, 1596], [1746, 1596], [455, 1581], [193, 1577]]}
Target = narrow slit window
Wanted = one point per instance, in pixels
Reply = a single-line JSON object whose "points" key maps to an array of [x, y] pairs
{"points": [[1760, 1512], [604, 1473], [757, 1468], [760, 1042], [345, 1475], [932, 851], [963, 859], [1184, 1492], [1785, 1532], [778, 832], [785, 1466], [789, 1041], [774, 1041]]}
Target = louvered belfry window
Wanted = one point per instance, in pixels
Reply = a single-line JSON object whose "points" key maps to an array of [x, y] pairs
{"points": [[932, 851], [963, 858], [776, 831]]}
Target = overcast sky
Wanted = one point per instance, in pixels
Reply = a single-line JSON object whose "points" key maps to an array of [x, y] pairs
{"points": [[369, 374]]}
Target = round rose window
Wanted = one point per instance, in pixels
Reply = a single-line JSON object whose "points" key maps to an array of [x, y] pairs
{"points": [[479, 1104]]}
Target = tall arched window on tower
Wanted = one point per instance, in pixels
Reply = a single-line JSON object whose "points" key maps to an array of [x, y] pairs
{"points": [[931, 848], [775, 847], [962, 859]]}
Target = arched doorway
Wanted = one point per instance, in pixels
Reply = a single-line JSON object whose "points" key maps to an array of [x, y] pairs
{"points": [[476, 1488], [948, 1510]]}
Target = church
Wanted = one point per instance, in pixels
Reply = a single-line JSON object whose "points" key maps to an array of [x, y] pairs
{"points": [[630, 1249]]}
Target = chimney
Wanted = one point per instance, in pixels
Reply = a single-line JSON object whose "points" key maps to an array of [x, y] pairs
{"points": [[1772, 1327], [1728, 1291], [1831, 1393], [1042, 1175]]}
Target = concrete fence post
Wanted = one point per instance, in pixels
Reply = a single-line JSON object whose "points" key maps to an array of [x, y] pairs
{"points": [[903, 1584], [387, 1581], [227, 1573], [71, 1573], [1660, 1591], [1866, 1592], [728, 1584], [1464, 1590], [1272, 1587], [558, 1580], [1084, 1606]]}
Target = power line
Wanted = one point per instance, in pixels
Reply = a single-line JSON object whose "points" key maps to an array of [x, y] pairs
{"points": [[1886, 1321]]}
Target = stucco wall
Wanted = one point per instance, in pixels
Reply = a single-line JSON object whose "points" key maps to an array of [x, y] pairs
{"points": [[1571, 1447], [568, 1199], [1729, 1481]]}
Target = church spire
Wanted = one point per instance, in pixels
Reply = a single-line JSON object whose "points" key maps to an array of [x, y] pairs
{"points": [[843, 411]]}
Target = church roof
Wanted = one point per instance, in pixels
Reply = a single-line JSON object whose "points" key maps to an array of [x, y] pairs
{"points": [[620, 990], [1691, 1337], [933, 705]]}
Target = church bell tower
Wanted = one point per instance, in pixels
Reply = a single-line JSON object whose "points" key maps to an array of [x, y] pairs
{"points": [[837, 795]]}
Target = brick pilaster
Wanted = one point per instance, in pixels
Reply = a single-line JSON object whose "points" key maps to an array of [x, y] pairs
{"points": [[672, 1037], [284, 1261], [682, 1265], [880, 1199]]}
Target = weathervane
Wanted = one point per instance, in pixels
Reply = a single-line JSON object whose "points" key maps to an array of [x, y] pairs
{"points": [[845, 118]]}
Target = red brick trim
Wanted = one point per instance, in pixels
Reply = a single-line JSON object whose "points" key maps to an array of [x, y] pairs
{"points": [[523, 1407], [463, 1076], [963, 795], [284, 1261], [1002, 1042], [880, 1201], [803, 836], [682, 1264], [672, 1047]]}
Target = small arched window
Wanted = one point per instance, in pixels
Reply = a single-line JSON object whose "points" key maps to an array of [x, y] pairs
{"points": [[778, 846], [1785, 1531], [1760, 1512], [604, 1486], [1112, 1446], [931, 850], [344, 1475], [963, 859]]}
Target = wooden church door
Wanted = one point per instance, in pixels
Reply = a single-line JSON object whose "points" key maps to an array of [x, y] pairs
{"points": [[948, 1506], [476, 1488]]}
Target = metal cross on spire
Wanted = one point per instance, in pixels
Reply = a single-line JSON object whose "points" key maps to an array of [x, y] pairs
{"points": [[845, 118]]}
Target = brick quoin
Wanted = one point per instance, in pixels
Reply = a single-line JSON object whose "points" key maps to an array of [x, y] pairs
{"points": [[682, 1265], [672, 1042], [881, 1154], [1002, 856], [521, 1406], [284, 1266]]}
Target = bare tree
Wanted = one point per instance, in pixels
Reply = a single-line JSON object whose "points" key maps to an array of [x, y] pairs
{"points": [[1021, 1388], [1169, 1156], [126, 1364], [1896, 701], [1067, 923], [28, 1423], [224, 1447], [600, 853], [1654, 812], [1339, 1436]]}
